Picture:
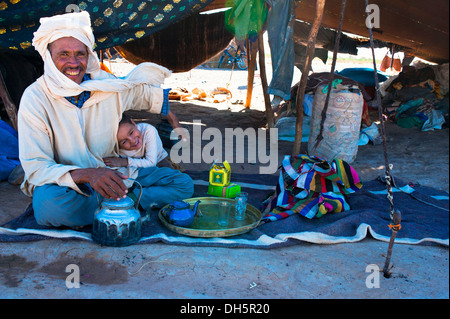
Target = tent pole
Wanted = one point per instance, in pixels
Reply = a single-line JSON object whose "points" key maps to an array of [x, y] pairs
{"points": [[10, 107], [251, 71], [320, 6], [262, 70], [395, 215]]}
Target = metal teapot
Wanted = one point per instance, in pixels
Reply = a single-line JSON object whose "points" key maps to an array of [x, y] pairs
{"points": [[117, 222], [179, 213]]}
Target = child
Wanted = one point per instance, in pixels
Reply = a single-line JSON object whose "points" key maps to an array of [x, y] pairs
{"points": [[140, 145]]}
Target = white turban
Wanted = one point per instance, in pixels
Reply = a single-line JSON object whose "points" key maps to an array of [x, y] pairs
{"points": [[78, 26]]}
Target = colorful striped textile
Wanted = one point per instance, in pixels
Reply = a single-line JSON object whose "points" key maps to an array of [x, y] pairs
{"points": [[311, 187]]}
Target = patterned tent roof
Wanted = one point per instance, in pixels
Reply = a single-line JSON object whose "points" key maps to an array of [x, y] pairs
{"points": [[113, 22]]}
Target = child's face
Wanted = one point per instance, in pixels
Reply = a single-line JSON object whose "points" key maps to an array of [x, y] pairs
{"points": [[129, 137]]}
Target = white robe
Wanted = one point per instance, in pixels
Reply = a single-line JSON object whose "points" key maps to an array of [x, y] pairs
{"points": [[55, 136]]}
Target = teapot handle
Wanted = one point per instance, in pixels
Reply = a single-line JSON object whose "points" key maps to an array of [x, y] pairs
{"points": [[140, 192], [165, 209]]}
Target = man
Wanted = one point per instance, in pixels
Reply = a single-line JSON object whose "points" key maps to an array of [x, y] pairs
{"points": [[68, 121]]}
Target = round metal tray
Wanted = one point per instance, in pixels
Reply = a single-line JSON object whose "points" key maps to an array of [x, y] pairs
{"points": [[205, 222]]}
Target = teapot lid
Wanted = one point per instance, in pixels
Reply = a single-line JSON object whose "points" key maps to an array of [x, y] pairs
{"points": [[180, 204], [126, 202]]}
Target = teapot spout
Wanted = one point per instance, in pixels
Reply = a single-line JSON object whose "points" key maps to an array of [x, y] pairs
{"points": [[196, 207]]}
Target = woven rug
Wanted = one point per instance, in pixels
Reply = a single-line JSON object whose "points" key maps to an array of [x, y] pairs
{"points": [[425, 219]]}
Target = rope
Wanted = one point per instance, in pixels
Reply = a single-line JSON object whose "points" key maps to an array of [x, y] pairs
{"points": [[231, 74], [333, 67], [418, 199], [396, 227], [388, 176]]}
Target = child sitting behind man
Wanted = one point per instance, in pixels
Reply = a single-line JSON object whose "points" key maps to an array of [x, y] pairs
{"points": [[140, 146]]}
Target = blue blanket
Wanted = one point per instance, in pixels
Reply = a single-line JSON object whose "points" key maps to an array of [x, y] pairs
{"points": [[423, 220], [9, 150]]}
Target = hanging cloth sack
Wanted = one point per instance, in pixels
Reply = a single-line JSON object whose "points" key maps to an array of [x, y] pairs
{"points": [[245, 18], [386, 63]]}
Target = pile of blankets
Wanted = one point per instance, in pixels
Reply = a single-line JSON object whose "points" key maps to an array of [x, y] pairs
{"points": [[419, 97], [311, 187], [419, 113]]}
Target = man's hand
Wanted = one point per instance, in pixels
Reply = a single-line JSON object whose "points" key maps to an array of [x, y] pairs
{"points": [[173, 120], [107, 182], [178, 129], [116, 161]]}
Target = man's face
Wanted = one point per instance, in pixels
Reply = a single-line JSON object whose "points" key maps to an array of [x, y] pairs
{"points": [[70, 57]]}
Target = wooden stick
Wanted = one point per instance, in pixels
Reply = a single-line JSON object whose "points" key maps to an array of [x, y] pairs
{"points": [[320, 6], [10, 107], [262, 70], [394, 214], [395, 226], [253, 48]]}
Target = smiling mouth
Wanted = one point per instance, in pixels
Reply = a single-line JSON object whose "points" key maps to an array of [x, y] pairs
{"points": [[73, 72]]}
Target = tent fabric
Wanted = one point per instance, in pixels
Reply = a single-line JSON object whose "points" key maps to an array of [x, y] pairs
{"points": [[280, 29], [325, 41], [420, 26], [200, 35], [113, 22]]}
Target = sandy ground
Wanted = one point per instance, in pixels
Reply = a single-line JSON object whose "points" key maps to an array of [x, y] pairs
{"points": [[37, 269]]}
